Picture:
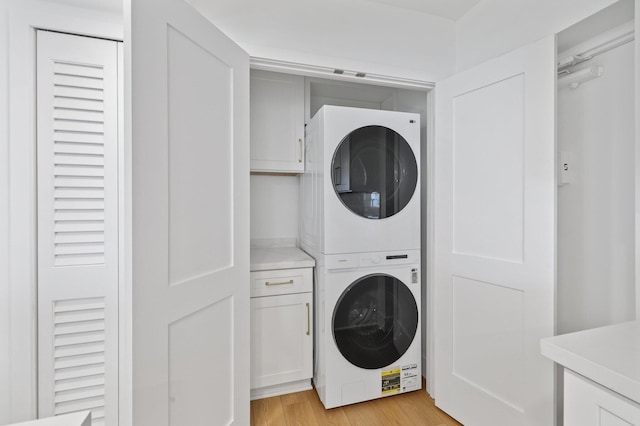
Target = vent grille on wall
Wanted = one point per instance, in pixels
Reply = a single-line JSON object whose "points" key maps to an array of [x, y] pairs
{"points": [[78, 138], [79, 357]]}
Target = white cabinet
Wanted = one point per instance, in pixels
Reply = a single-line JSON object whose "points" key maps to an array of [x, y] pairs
{"points": [[281, 331], [588, 404], [277, 122]]}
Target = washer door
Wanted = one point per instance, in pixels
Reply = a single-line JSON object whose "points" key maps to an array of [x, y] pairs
{"points": [[374, 172], [375, 321]]}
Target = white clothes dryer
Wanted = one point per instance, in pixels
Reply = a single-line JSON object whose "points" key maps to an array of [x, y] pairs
{"points": [[361, 188], [368, 338]]}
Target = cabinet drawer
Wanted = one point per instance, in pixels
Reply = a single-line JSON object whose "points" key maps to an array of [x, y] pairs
{"points": [[283, 281]]}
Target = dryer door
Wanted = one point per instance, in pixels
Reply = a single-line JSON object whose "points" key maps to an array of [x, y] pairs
{"points": [[375, 321], [374, 172]]}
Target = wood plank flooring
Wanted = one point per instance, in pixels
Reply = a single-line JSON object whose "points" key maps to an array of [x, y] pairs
{"points": [[305, 409]]}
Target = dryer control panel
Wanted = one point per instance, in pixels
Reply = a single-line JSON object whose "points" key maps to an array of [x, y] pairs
{"points": [[363, 260]]}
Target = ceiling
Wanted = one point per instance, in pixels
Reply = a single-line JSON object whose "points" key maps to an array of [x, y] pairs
{"points": [[449, 9]]}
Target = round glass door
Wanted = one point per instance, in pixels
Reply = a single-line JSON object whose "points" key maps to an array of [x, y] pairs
{"points": [[374, 172], [375, 321]]}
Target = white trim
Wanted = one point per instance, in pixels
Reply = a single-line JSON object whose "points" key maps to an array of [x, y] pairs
{"points": [[125, 289], [24, 17], [637, 131], [429, 249], [328, 73]]}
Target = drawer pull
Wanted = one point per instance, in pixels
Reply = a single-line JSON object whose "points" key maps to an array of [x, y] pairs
{"points": [[300, 151], [308, 320], [268, 283]]}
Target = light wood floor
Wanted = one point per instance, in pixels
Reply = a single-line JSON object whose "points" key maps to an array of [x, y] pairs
{"points": [[305, 409]]}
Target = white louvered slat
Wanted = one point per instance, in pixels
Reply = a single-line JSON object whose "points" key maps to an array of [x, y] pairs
{"points": [[83, 371], [96, 116], [79, 259], [82, 70], [81, 382], [65, 317], [61, 136], [80, 193], [80, 104], [78, 338], [78, 226], [78, 125], [71, 215], [78, 304], [78, 81], [78, 93], [79, 405], [78, 182], [79, 327], [77, 148], [79, 237], [78, 204], [82, 393], [81, 349], [70, 249]]}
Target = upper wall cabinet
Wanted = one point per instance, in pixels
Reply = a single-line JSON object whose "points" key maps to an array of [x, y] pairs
{"points": [[277, 122]]}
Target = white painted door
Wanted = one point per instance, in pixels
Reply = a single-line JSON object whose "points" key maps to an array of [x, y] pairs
{"points": [[495, 239], [77, 159], [189, 123]]}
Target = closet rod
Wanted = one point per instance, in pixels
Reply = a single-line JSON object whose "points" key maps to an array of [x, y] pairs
{"points": [[616, 38]]}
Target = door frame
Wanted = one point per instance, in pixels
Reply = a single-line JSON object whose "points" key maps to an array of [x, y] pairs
{"points": [[24, 18]]}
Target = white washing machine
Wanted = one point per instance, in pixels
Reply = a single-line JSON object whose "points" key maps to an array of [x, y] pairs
{"points": [[361, 188], [368, 342]]}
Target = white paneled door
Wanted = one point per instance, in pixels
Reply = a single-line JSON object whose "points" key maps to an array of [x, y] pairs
{"points": [[77, 158], [495, 239], [189, 124]]}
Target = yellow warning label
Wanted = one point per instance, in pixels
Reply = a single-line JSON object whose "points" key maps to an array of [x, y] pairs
{"points": [[391, 381]]}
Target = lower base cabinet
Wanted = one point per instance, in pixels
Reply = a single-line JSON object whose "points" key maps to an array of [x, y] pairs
{"points": [[281, 339], [587, 403]]}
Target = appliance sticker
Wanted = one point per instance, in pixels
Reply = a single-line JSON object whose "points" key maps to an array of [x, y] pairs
{"points": [[391, 381], [410, 379]]}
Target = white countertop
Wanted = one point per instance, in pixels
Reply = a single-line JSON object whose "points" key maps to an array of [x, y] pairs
{"points": [[609, 356], [82, 418], [265, 259]]}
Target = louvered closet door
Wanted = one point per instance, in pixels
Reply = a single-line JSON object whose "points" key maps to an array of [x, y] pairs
{"points": [[77, 131]]}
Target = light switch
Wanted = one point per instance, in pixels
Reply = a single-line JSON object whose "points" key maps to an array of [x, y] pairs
{"points": [[565, 174]]}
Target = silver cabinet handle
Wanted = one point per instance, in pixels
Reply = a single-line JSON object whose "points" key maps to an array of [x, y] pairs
{"points": [[268, 283], [308, 319], [300, 152]]}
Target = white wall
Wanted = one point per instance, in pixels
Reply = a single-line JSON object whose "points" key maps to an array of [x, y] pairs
{"points": [[274, 207], [355, 35], [596, 245], [494, 27]]}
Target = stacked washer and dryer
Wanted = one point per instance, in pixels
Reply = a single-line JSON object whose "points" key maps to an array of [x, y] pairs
{"points": [[360, 220]]}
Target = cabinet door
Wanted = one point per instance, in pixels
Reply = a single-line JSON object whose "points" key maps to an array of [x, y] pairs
{"points": [[281, 339], [589, 404], [277, 122]]}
